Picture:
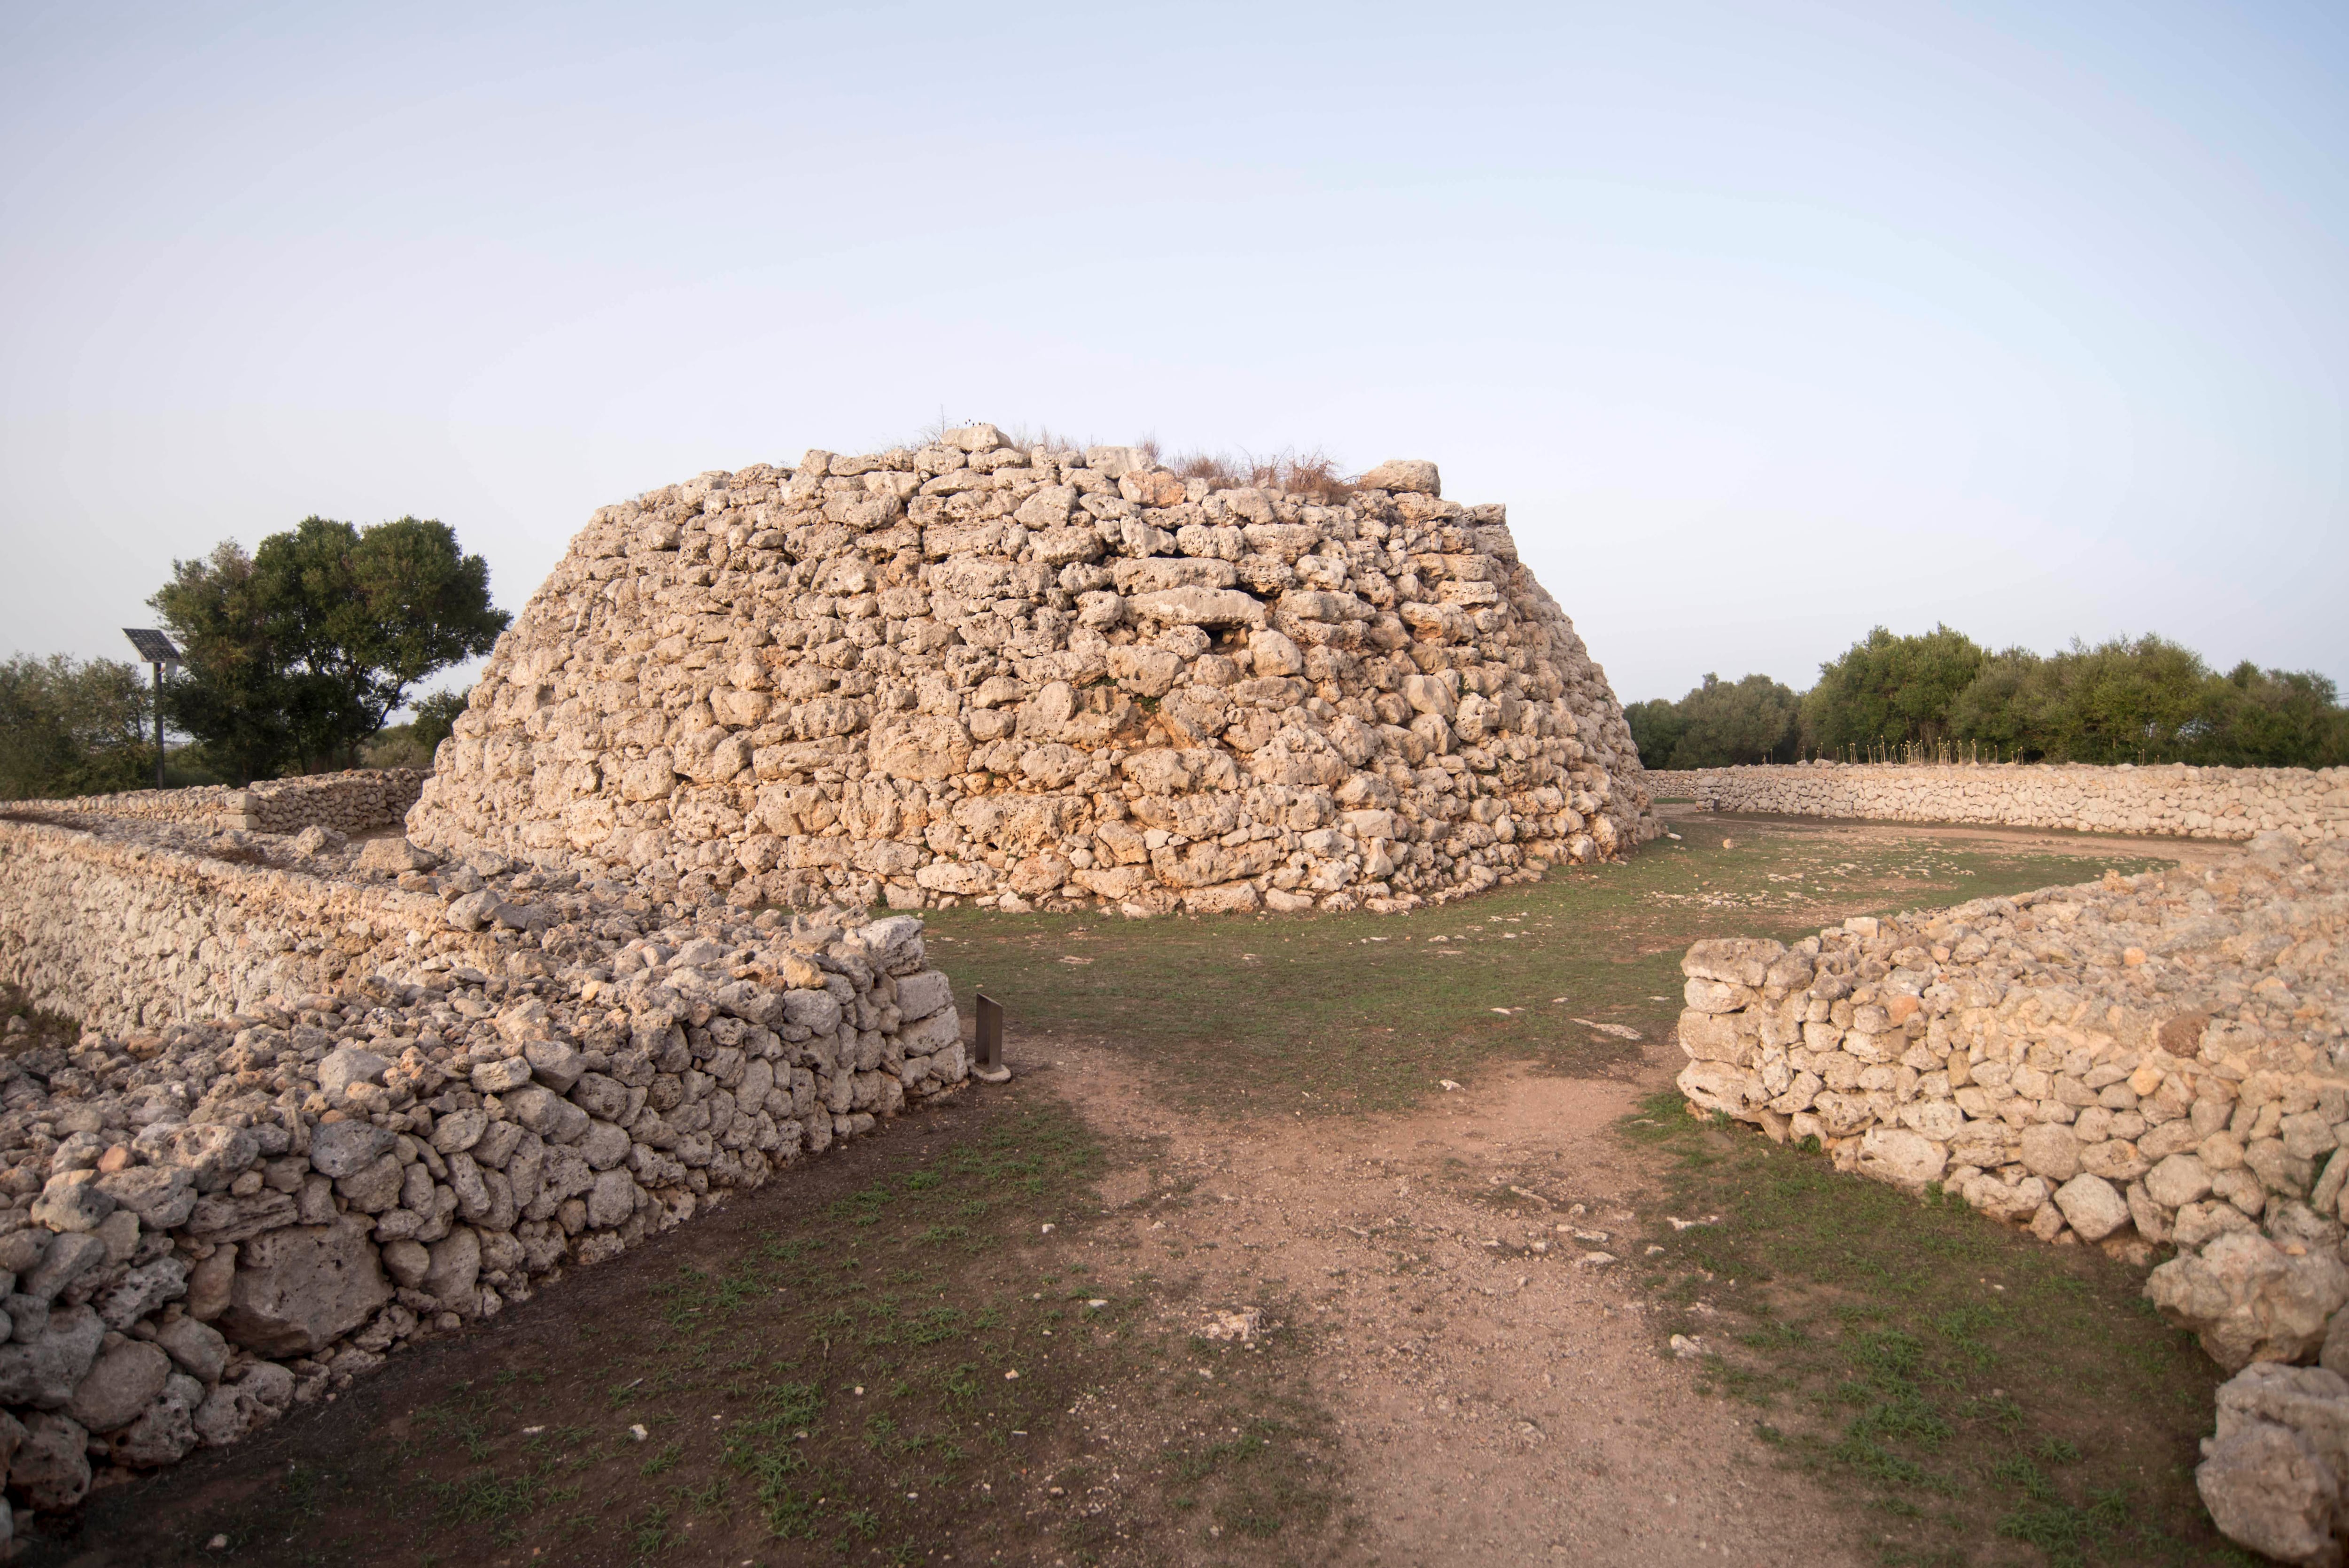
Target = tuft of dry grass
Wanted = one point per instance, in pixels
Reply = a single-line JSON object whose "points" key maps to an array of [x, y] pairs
{"points": [[1311, 473], [1314, 474]]}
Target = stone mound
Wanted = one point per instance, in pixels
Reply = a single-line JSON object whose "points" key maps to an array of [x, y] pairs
{"points": [[1042, 678]]}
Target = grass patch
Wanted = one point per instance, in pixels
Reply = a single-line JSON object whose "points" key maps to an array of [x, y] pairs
{"points": [[1314, 1014], [893, 1362], [1982, 1397]]}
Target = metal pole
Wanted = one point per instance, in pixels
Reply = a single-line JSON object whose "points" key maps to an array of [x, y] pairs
{"points": [[988, 1067], [158, 726]]}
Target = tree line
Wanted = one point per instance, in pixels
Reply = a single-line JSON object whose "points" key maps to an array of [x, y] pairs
{"points": [[295, 656], [1940, 695]]}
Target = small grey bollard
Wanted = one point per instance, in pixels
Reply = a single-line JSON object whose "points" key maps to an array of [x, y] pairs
{"points": [[986, 1065]]}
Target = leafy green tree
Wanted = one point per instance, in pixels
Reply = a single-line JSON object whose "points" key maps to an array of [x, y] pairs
{"points": [[1730, 723], [2146, 700], [2281, 718], [1721, 724], [1888, 690], [1656, 729], [297, 652], [234, 693], [373, 612], [436, 718], [69, 727]]}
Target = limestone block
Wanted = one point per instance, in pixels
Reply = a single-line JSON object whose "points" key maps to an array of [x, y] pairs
{"points": [[299, 1287]]}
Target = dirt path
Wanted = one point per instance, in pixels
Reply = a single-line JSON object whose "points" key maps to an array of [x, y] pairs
{"points": [[1497, 1404]]}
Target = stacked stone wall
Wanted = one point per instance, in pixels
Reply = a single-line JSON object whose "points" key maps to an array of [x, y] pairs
{"points": [[1054, 680], [355, 801], [2234, 804], [2160, 1059], [329, 1098]]}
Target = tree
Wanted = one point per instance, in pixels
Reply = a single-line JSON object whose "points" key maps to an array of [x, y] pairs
{"points": [[297, 652], [234, 693], [436, 718], [1721, 724], [2281, 718], [2141, 699], [1730, 723], [73, 728], [1888, 690], [1656, 729], [372, 613]]}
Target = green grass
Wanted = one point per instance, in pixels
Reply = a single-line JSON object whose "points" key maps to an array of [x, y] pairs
{"points": [[1980, 1397], [1314, 1013], [830, 1386]]}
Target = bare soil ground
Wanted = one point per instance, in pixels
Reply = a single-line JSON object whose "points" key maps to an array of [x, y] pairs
{"points": [[1273, 1295]]}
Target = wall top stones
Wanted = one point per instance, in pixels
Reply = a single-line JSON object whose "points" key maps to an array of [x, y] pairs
{"points": [[2235, 803], [1051, 678], [352, 802]]}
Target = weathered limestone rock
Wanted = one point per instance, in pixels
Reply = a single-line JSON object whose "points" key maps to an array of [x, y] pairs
{"points": [[164, 1431], [1903, 1158], [2272, 1475], [198, 1348], [52, 1470], [163, 1196], [2250, 1300], [233, 1409], [2092, 1206], [120, 1386], [72, 1202], [299, 1289], [42, 1372], [396, 855]]}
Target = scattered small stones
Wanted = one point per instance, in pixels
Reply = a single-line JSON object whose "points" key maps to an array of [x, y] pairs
{"points": [[1242, 1325]]}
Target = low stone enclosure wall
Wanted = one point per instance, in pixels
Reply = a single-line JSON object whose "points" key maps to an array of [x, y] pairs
{"points": [[354, 801], [328, 1099], [2152, 1061], [2312, 804]]}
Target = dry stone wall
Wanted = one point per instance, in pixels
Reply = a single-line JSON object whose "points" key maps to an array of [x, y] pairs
{"points": [[2312, 804], [328, 1099], [2148, 1062], [1052, 678], [354, 801]]}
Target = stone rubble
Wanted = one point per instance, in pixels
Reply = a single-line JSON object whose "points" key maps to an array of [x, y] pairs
{"points": [[1053, 679], [328, 1099]]}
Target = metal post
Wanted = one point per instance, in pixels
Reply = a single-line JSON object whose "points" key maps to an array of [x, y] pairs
{"points": [[989, 1065], [157, 650]]}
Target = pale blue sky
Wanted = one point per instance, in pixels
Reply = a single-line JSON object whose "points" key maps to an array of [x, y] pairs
{"points": [[1769, 322]]}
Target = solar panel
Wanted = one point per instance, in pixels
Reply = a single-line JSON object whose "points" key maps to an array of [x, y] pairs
{"points": [[154, 647]]}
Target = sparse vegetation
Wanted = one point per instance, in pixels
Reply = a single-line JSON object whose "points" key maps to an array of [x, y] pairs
{"points": [[1986, 1398]]}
